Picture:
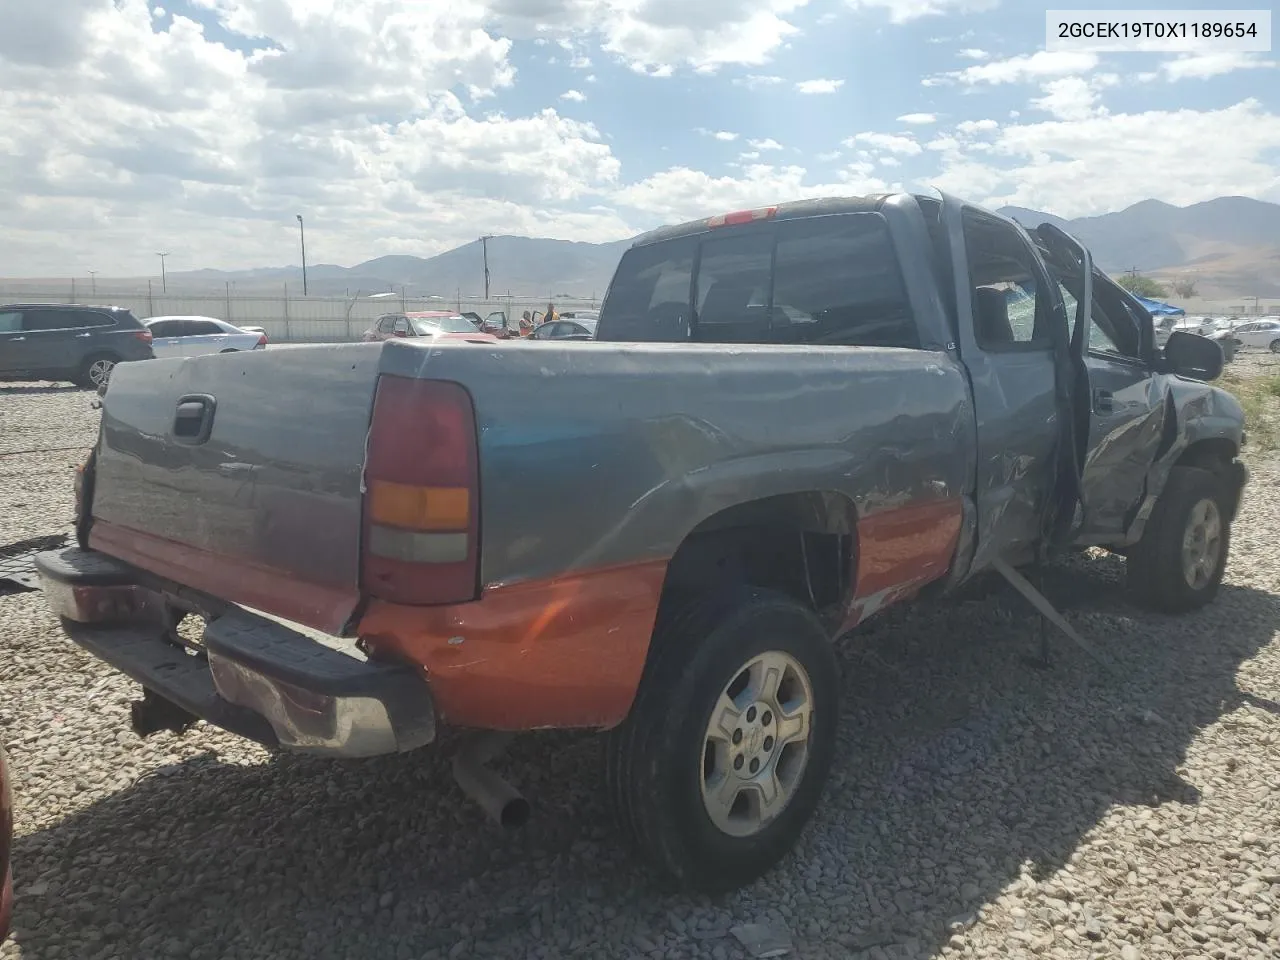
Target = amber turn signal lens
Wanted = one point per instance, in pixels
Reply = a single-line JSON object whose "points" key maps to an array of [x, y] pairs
{"points": [[419, 508]]}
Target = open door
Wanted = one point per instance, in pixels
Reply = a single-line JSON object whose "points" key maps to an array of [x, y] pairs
{"points": [[1012, 336], [1122, 419]]}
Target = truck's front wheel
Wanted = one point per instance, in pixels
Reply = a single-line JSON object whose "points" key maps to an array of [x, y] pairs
{"points": [[723, 757], [1179, 562]]}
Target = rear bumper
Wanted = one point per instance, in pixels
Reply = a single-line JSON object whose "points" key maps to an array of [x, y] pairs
{"points": [[254, 677]]}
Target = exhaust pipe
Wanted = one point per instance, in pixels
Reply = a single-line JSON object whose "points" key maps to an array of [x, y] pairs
{"points": [[499, 799]]}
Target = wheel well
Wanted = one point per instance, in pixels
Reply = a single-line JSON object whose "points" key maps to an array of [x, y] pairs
{"points": [[229, 350], [800, 544], [1215, 455], [1212, 455]]}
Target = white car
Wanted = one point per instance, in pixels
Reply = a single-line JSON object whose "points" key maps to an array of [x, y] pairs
{"points": [[195, 336], [1263, 333]]}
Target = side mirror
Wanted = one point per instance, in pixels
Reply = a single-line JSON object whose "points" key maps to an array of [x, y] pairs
{"points": [[1193, 356]]}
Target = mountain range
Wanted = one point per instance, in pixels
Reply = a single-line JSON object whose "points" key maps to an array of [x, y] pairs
{"points": [[1229, 246]]}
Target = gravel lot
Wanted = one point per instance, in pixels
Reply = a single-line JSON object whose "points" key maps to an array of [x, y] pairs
{"points": [[979, 807]]}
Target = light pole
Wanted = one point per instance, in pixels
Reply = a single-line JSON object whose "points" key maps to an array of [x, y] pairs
{"points": [[302, 236], [164, 284], [93, 282], [484, 245]]}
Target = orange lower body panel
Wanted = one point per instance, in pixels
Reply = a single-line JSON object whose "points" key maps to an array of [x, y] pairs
{"points": [[564, 652], [899, 551]]}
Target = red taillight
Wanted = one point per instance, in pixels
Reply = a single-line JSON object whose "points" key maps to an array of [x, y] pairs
{"points": [[143, 335], [742, 216], [421, 502], [262, 340]]}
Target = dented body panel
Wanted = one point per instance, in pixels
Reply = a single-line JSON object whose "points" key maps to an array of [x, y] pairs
{"points": [[598, 461]]}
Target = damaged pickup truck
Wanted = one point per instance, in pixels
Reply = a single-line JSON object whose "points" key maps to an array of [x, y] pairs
{"points": [[791, 419]]}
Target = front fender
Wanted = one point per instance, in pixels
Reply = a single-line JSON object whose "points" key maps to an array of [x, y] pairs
{"points": [[1201, 413]]}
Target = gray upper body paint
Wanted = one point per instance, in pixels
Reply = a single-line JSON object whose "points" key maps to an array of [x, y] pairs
{"points": [[593, 454]]}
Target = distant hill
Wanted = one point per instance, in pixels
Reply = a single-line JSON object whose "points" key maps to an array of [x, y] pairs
{"points": [[525, 266], [1230, 245]]}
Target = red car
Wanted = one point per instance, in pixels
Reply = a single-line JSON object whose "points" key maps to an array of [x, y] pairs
{"points": [[436, 324], [6, 844]]}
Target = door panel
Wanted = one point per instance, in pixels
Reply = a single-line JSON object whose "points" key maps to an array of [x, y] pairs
{"points": [[1012, 370], [13, 343], [52, 343], [1125, 425], [1126, 407]]}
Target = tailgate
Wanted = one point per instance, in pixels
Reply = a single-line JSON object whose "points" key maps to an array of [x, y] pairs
{"points": [[240, 474]]}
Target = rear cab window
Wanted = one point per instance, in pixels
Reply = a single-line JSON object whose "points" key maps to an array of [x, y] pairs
{"points": [[831, 280]]}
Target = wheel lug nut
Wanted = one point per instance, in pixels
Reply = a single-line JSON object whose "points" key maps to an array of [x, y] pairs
{"points": [[751, 714], [737, 736], [767, 718], [755, 765], [768, 743], [737, 762]]}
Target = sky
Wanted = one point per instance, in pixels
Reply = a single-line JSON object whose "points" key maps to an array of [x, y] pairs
{"points": [[203, 128]]}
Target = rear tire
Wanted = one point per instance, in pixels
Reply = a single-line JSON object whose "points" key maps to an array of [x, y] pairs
{"points": [[1275, 346], [1178, 564], [96, 370], [229, 350], [722, 760]]}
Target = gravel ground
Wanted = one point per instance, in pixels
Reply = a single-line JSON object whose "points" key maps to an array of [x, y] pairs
{"points": [[978, 807]]}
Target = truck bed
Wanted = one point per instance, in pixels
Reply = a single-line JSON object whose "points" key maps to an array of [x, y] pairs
{"points": [[590, 454]]}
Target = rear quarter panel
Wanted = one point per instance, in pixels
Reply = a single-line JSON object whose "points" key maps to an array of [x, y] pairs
{"points": [[598, 459], [596, 454]]}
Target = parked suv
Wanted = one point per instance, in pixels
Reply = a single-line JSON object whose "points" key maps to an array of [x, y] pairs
{"points": [[68, 341]]}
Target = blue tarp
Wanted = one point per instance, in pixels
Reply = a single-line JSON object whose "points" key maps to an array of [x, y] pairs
{"points": [[1158, 309]]}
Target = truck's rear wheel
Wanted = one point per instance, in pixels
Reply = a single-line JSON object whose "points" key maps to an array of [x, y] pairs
{"points": [[1179, 562], [722, 760]]}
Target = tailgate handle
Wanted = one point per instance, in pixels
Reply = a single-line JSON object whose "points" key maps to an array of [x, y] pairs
{"points": [[193, 420]]}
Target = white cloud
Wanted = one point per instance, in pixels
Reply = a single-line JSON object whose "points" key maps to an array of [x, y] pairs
{"points": [[1202, 66], [749, 155], [766, 144], [577, 96], [888, 142], [580, 63], [973, 53], [918, 119], [661, 36], [756, 81], [819, 86], [1105, 162], [903, 11], [682, 194], [1035, 66], [971, 127], [725, 135], [1069, 98], [212, 150]]}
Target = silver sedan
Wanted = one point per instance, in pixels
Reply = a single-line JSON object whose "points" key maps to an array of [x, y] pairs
{"points": [[195, 336]]}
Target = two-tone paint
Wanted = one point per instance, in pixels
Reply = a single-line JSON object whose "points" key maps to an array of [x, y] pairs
{"points": [[598, 460]]}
